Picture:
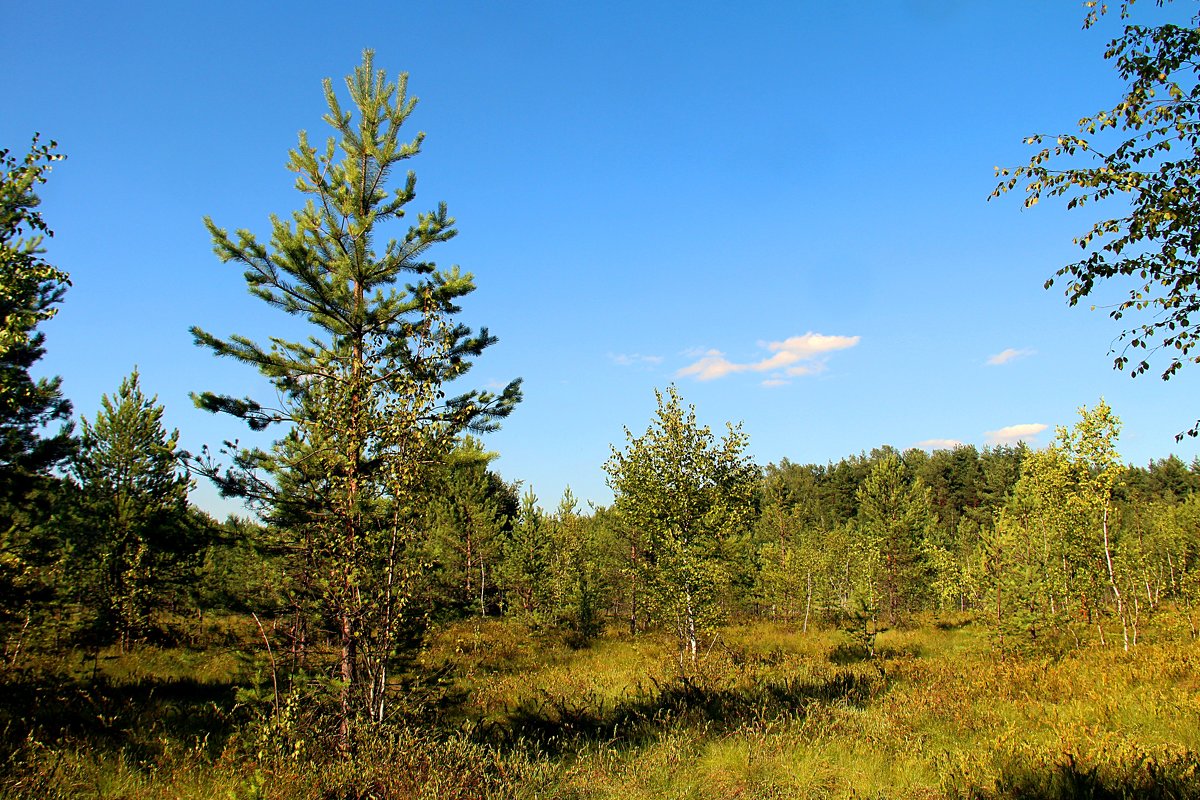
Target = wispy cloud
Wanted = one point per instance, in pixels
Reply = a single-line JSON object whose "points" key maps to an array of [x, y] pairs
{"points": [[1015, 433], [792, 357], [1007, 355], [634, 360], [939, 444]]}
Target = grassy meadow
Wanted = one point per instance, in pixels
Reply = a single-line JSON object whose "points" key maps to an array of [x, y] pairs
{"points": [[493, 709]]}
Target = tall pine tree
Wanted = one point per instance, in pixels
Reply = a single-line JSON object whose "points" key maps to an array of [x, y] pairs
{"points": [[365, 396]]}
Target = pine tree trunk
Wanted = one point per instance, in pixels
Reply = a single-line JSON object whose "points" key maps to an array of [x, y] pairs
{"points": [[347, 676], [468, 566], [352, 522]]}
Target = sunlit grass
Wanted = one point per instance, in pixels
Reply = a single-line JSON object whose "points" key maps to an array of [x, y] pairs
{"points": [[769, 711]]}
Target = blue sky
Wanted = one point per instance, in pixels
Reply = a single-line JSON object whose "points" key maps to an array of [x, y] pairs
{"points": [[780, 207]]}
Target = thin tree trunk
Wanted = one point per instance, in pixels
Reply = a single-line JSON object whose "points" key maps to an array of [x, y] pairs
{"points": [[347, 676], [355, 443], [469, 590], [1137, 612], [808, 602], [999, 610], [633, 607], [690, 626], [1112, 582]]}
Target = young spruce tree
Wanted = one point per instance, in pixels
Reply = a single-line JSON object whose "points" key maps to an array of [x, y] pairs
{"points": [[525, 566], [133, 534], [894, 517], [364, 397]]}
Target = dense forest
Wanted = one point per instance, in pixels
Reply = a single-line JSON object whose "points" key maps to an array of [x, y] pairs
{"points": [[391, 618]]}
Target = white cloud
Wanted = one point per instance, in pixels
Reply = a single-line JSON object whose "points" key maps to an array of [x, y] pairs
{"points": [[939, 444], [1007, 355], [712, 364], [634, 359], [1015, 433], [771, 383], [795, 356]]}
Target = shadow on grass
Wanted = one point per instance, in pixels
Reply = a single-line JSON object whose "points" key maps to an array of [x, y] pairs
{"points": [[854, 653], [134, 717], [561, 723], [1137, 776]]}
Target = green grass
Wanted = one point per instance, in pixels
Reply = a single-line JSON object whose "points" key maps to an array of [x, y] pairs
{"points": [[768, 712]]}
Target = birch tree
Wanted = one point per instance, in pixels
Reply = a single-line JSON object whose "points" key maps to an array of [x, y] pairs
{"points": [[1038, 554], [688, 494], [1091, 445], [1137, 166], [1055, 555]]}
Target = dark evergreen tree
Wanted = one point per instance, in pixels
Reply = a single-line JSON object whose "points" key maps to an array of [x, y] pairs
{"points": [[525, 567], [242, 571], [30, 291], [895, 513], [1001, 468], [133, 541], [1164, 478], [953, 478], [471, 512]]}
